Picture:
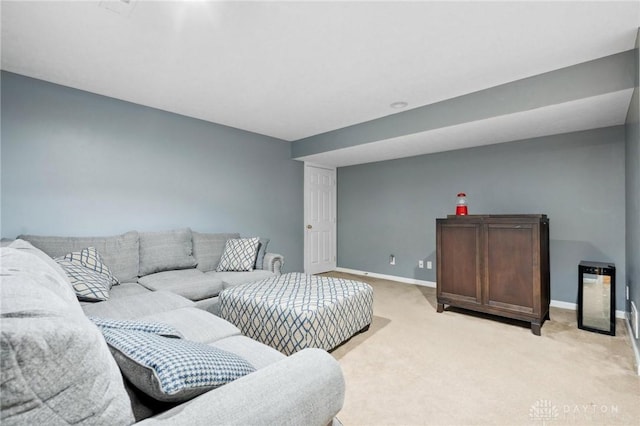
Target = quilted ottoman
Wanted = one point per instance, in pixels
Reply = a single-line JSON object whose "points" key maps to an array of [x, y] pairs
{"points": [[294, 311]]}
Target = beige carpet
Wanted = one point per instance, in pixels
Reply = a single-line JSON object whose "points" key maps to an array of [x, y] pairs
{"points": [[417, 367]]}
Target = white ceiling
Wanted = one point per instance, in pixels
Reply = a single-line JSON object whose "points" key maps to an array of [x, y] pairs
{"points": [[296, 69]]}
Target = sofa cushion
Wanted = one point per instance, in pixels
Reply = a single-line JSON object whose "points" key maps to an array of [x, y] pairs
{"points": [[196, 324], [32, 277], [172, 370], [89, 285], [232, 279], [137, 305], [239, 255], [91, 259], [27, 247], [55, 366], [165, 251], [258, 354], [190, 283], [208, 249], [120, 252], [127, 289], [262, 250], [209, 305]]}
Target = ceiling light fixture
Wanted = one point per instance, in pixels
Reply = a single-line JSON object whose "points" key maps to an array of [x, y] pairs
{"points": [[399, 105]]}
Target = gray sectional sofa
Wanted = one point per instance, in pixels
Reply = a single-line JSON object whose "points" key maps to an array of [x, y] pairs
{"points": [[179, 261], [57, 367]]}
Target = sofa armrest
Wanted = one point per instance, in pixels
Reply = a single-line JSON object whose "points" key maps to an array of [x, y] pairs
{"points": [[273, 262], [306, 388]]}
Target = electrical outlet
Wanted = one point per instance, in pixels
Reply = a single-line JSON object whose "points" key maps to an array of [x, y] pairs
{"points": [[392, 260], [627, 292], [429, 264], [420, 263]]}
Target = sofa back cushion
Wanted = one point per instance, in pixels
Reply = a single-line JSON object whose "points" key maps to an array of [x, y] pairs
{"points": [[119, 252], [43, 283], [27, 247], [166, 251], [208, 249], [55, 364]]}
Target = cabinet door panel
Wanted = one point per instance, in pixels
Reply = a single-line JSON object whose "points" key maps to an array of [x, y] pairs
{"points": [[510, 266], [459, 263]]}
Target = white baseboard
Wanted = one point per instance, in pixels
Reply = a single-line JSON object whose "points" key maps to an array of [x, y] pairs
{"points": [[634, 345], [388, 277], [574, 307], [554, 303]]}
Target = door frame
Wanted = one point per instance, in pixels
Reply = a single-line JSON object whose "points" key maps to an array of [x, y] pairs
{"points": [[334, 229]]}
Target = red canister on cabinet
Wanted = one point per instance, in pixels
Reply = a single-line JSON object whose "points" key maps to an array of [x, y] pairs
{"points": [[461, 205]]}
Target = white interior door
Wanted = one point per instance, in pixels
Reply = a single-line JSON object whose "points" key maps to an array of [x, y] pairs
{"points": [[320, 219]]}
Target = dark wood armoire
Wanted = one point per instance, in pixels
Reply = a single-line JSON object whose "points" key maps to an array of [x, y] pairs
{"points": [[496, 264]]}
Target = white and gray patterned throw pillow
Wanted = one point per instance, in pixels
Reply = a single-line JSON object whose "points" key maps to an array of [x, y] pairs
{"points": [[172, 370], [239, 255], [91, 259], [89, 285]]}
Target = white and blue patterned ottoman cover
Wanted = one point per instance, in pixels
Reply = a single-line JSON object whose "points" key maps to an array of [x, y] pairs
{"points": [[294, 311]]}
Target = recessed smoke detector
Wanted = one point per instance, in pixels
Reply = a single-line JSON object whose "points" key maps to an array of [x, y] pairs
{"points": [[121, 7], [399, 105]]}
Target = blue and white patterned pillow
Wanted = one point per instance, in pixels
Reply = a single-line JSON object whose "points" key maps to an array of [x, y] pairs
{"points": [[91, 259], [239, 255], [89, 285], [172, 370], [158, 328]]}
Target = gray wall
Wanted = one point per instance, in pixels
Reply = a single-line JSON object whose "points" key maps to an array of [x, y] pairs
{"points": [[75, 163], [632, 169], [577, 179]]}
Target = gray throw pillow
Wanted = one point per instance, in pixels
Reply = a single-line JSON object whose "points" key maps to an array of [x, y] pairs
{"points": [[166, 251], [262, 250], [172, 370]]}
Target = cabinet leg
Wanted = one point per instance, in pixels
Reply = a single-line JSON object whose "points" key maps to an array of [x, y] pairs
{"points": [[547, 317], [440, 307], [535, 328]]}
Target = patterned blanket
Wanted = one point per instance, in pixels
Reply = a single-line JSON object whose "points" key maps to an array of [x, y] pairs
{"points": [[294, 311]]}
